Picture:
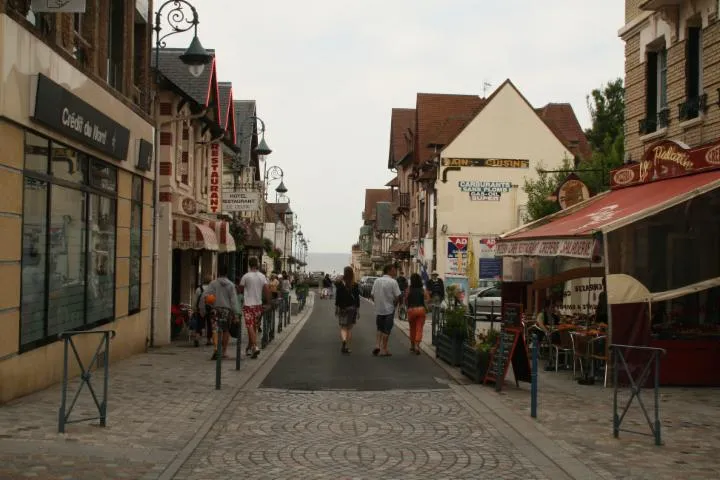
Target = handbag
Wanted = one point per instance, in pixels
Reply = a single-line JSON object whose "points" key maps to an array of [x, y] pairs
{"points": [[234, 328]]}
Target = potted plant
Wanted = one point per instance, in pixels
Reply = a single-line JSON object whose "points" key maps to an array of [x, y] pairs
{"points": [[476, 355], [452, 334]]}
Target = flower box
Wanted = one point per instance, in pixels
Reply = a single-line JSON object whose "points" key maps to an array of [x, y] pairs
{"points": [[449, 349], [474, 363]]}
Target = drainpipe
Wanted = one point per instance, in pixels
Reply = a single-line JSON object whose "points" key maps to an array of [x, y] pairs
{"points": [[156, 209]]}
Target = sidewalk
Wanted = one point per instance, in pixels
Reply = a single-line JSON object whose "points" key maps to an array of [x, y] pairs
{"points": [[576, 422], [160, 404]]}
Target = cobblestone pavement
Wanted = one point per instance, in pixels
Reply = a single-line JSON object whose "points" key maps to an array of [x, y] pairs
{"points": [[578, 420], [159, 402]]}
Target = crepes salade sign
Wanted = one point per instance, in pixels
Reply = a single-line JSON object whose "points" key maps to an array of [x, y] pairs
{"points": [[570, 247]]}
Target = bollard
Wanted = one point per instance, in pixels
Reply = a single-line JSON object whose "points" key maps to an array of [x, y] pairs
{"points": [[534, 377], [219, 352], [500, 363], [238, 345]]}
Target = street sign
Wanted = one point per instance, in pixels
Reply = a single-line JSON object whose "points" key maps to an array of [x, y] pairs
{"points": [[241, 201]]}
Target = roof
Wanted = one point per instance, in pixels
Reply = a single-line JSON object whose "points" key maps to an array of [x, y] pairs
{"points": [[172, 68], [224, 100], [440, 118], [561, 119], [244, 109], [402, 133], [271, 215], [372, 197], [394, 182], [604, 213]]}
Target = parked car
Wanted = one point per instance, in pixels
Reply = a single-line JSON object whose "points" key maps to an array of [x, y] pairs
{"points": [[485, 303], [365, 285]]}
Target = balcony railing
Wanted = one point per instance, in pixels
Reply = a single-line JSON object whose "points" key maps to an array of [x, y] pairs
{"points": [[692, 107], [404, 201], [652, 124]]}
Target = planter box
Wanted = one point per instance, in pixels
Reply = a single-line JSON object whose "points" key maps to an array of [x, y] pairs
{"points": [[449, 349], [474, 363]]}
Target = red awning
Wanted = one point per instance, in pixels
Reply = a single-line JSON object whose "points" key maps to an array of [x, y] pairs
{"points": [[226, 242], [189, 235], [569, 233]]}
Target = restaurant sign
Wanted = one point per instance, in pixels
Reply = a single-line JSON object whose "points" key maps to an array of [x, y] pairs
{"points": [[667, 159], [567, 247], [215, 175], [484, 191], [241, 201], [486, 162]]}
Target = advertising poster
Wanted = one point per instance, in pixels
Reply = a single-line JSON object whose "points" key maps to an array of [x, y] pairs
{"points": [[457, 255], [461, 287]]}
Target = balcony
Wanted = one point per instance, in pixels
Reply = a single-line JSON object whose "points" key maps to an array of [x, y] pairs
{"points": [[404, 201], [692, 107], [652, 124], [657, 5]]}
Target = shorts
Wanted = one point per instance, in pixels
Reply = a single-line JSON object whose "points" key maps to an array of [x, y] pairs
{"points": [[385, 323], [252, 315], [224, 316]]}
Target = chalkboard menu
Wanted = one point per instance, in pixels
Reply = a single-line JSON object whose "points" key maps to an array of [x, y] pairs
{"points": [[510, 349], [512, 314]]}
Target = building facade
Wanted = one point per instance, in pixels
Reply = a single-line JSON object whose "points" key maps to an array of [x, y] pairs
{"points": [[76, 185], [672, 73]]}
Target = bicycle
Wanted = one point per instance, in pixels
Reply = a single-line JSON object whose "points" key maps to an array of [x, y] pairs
{"points": [[402, 310]]}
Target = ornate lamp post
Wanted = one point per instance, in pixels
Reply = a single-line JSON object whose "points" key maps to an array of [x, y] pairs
{"points": [[195, 57]]}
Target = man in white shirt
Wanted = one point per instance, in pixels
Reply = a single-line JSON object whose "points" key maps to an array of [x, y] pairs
{"points": [[255, 289], [385, 293]]}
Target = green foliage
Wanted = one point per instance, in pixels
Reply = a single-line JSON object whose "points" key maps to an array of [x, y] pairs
{"points": [[268, 245], [455, 324], [606, 138], [486, 341]]}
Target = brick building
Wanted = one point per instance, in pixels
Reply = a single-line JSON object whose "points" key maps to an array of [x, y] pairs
{"points": [[76, 184], [672, 73]]}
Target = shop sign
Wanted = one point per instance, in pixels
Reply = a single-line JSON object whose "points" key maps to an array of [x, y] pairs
{"points": [[484, 191], [572, 191], [574, 248], [215, 182], [457, 254], [64, 112], [188, 206], [486, 162], [487, 247], [667, 159], [145, 153], [59, 6], [239, 201]]}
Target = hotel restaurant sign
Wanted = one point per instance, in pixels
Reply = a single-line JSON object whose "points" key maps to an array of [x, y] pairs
{"points": [[667, 159], [568, 247]]}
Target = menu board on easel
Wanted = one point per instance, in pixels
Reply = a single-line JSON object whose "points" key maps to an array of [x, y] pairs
{"points": [[512, 314], [510, 349]]}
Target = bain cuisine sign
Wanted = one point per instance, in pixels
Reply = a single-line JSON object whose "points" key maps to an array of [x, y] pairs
{"points": [[484, 191], [64, 112]]}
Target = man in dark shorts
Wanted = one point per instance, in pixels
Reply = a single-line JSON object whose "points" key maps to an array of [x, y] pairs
{"points": [[225, 306], [385, 293]]}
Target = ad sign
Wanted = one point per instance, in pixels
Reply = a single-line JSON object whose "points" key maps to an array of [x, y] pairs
{"points": [[457, 254]]}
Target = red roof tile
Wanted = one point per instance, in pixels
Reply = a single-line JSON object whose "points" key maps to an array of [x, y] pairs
{"points": [[402, 134], [440, 118], [561, 119], [372, 197], [395, 182]]}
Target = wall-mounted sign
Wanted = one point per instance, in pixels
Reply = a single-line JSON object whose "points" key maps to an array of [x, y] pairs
{"points": [[241, 201], [457, 255], [667, 159], [145, 154], [215, 182], [569, 247], [484, 191], [59, 6], [188, 206], [572, 191], [64, 112], [486, 162]]}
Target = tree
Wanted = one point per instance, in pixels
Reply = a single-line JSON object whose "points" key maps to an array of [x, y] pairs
{"points": [[606, 138]]}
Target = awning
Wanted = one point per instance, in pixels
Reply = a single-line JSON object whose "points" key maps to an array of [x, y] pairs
{"points": [[188, 235], [570, 232], [225, 240], [623, 288]]}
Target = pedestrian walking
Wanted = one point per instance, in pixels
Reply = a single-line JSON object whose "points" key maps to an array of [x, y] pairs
{"points": [[203, 320], [417, 298], [254, 287], [225, 304], [386, 294], [347, 307], [437, 288]]}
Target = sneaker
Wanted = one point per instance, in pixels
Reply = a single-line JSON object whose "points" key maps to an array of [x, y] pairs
{"points": [[256, 353]]}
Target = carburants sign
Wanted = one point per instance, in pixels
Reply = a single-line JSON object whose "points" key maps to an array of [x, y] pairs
{"points": [[215, 179]]}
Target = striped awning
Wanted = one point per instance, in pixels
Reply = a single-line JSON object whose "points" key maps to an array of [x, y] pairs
{"points": [[226, 242], [189, 235]]}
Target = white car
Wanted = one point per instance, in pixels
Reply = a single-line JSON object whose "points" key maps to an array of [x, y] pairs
{"points": [[485, 303]]}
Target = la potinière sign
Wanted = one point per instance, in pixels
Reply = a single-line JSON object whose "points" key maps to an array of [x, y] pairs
{"points": [[484, 191]]}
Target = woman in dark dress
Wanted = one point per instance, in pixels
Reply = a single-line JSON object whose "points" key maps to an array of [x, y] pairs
{"points": [[347, 306]]}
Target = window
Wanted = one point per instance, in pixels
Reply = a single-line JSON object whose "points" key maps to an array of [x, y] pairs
{"points": [[656, 109], [68, 251], [136, 211], [694, 99], [116, 25]]}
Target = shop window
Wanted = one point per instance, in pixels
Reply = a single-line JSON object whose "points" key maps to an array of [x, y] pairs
{"points": [[68, 250], [695, 101], [135, 244], [656, 106]]}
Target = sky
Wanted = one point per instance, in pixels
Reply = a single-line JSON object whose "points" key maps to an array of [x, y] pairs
{"points": [[326, 74]]}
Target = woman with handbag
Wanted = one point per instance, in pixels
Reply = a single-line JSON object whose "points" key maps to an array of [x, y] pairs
{"points": [[347, 307], [417, 298]]}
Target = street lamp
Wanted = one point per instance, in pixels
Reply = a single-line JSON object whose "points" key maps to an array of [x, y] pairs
{"points": [[195, 57]]}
